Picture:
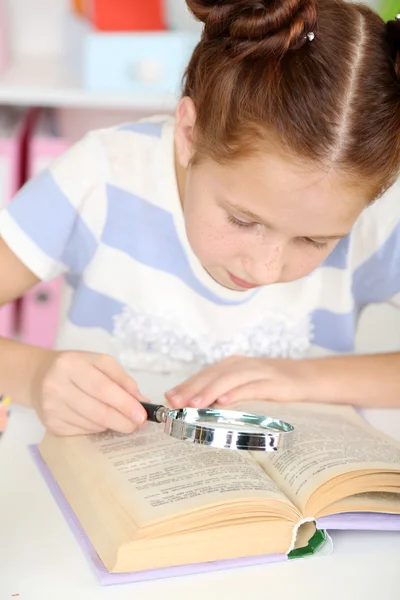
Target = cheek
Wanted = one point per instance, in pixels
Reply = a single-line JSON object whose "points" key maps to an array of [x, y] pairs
{"points": [[302, 262], [209, 236], [207, 241]]}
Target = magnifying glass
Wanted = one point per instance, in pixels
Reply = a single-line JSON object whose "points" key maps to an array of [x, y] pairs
{"points": [[228, 429]]}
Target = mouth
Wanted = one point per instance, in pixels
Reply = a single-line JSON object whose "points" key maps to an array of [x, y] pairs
{"points": [[241, 282]]}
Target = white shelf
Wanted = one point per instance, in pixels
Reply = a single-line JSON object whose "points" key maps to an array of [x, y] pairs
{"points": [[47, 81]]}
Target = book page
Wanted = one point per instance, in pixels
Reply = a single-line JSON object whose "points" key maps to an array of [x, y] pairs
{"points": [[162, 477], [329, 441], [384, 502]]}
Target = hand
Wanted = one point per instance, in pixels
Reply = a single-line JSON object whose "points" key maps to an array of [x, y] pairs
{"points": [[80, 392], [239, 378]]}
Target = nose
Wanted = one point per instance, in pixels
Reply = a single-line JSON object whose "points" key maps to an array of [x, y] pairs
{"points": [[266, 268]]}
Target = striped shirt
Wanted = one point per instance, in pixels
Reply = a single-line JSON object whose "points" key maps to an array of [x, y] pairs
{"points": [[107, 217]]}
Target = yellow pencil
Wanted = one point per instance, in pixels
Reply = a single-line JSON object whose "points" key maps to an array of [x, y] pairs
{"points": [[6, 401]]}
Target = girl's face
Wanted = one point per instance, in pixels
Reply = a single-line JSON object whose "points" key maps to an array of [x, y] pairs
{"points": [[264, 219]]}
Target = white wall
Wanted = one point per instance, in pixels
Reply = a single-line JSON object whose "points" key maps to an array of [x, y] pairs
{"points": [[36, 25]]}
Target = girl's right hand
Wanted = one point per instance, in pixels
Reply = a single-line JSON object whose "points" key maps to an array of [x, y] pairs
{"points": [[81, 392]]}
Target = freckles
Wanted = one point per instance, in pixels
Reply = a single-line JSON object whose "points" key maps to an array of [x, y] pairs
{"points": [[214, 235], [207, 241], [273, 257]]}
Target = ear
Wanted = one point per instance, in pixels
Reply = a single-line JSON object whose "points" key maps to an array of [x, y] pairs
{"points": [[185, 120]]}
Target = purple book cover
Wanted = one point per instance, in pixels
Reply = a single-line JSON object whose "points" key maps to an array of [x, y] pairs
{"points": [[366, 521]]}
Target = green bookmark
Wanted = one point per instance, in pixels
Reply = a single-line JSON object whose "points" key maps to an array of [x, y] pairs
{"points": [[314, 544]]}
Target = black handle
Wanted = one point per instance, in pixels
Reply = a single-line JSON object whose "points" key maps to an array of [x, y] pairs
{"points": [[154, 411]]}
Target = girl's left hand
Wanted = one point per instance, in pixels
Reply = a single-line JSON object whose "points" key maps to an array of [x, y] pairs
{"points": [[239, 378]]}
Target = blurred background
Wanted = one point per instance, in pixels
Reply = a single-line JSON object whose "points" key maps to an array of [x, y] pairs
{"points": [[109, 58], [69, 66]]}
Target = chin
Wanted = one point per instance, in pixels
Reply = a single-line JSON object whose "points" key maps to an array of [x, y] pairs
{"points": [[219, 278], [232, 286]]}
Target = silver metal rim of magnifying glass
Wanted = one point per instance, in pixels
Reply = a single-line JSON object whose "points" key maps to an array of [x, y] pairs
{"points": [[218, 429]]}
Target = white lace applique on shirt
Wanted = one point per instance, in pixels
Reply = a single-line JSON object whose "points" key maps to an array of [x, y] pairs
{"points": [[164, 342]]}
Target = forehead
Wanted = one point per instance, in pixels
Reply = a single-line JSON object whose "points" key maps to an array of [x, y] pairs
{"points": [[289, 193]]}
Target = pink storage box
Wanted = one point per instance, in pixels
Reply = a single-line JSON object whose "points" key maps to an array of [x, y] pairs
{"points": [[13, 127], [40, 307]]}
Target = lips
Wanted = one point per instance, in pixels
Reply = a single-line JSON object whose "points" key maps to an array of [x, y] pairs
{"points": [[242, 283]]}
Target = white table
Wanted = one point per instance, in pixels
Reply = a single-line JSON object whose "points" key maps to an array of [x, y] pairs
{"points": [[40, 559]]}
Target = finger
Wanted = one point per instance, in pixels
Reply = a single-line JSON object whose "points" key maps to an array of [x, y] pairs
{"points": [[252, 390], [63, 428], [98, 412], [74, 419], [111, 367], [182, 393], [96, 384], [222, 385], [188, 391], [67, 422]]}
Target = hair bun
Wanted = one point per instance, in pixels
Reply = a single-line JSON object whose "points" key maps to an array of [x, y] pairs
{"points": [[271, 27]]}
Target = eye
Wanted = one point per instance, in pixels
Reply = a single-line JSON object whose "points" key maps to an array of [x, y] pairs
{"points": [[318, 245], [237, 223]]}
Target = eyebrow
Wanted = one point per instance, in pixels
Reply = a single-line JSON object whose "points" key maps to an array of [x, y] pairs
{"points": [[253, 217]]}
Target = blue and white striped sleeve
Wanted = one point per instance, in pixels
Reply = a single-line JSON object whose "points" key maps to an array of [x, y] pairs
{"points": [[50, 224], [376, 275]]}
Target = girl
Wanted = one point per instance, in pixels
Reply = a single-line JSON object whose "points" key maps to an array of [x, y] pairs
{"points": [[240, 240]]}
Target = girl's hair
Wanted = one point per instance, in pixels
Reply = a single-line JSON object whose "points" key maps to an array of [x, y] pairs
{"points": [[257, 78]]}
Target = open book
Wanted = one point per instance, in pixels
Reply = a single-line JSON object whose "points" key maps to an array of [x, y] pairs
{"points": [[147, 501]]}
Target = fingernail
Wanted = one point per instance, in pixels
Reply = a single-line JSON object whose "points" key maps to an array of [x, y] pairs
{"points": [[171, 392], [177, 400], [196, 401], [223, 400], [139, 416]]}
